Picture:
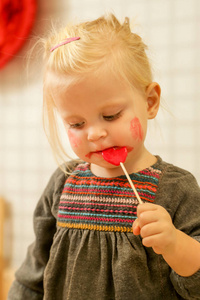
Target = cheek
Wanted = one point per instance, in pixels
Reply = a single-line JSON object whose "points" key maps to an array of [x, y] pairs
{"points": [[74, 140], [136, 129]]}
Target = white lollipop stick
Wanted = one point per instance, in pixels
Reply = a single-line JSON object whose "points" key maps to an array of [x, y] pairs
{"points": [[117, 157], [131, 183]]}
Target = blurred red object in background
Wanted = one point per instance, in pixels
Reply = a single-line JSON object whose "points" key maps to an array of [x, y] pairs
{"points": [[16, 20]]}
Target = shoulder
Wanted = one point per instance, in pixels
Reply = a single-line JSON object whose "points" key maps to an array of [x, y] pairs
{"points": [[179, 193], [59, 176], [64, 170], [176, 176], [176, 185], [51, 194]]}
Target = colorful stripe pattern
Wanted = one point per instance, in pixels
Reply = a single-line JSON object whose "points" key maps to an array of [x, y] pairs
{"points": [[104, 204]]}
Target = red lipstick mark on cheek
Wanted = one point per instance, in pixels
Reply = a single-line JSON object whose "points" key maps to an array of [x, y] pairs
{"points": [[74, 140], [136, 129]]}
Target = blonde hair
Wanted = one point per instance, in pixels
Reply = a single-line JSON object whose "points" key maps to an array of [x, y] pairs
{"points": [[104, 44]]}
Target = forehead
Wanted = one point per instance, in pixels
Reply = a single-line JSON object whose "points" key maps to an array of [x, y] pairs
{"points": [[65, 83], [95, 91], [56, 82], [90, 95]]}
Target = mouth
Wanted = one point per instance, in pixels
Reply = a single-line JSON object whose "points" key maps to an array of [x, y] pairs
{"points": [[99, 152]]}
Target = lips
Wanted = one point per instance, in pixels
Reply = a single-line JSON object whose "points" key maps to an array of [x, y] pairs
{"points": [[95, 152], [105, 149], [129, 149]]}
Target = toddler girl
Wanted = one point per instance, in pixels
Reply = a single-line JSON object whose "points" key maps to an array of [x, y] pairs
{"points": [[93, 239]]}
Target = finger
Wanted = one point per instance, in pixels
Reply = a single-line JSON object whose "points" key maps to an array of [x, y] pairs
{"points": [[147, 217], [136, 228], [148, 242], [146, 207], [151, 229], [152, 240]]}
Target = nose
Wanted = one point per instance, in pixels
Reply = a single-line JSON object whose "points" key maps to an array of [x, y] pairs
{"points": [[96, 132]]}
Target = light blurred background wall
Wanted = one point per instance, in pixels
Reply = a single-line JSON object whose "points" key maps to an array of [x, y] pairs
{"points": [[170, 28]]}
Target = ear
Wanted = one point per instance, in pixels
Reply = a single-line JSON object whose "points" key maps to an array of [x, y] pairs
{"points": [[153, 92]]}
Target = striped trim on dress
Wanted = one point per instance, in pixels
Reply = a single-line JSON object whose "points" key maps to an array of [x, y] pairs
{"points": [[104, 204]]}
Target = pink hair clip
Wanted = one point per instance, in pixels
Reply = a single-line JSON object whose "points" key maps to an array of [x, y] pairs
{"points": [[66, 41]]}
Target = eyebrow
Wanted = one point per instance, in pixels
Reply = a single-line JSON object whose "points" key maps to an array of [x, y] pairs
{"points": [[118, 105]]}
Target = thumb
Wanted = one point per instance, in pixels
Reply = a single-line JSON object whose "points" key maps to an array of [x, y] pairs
{"points": [[136, 227]]}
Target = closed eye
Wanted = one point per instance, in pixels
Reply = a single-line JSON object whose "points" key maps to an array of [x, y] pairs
{"points": [[112, 117], [77, 125]]}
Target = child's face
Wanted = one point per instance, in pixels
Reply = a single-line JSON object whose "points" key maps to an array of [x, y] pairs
{"points": [[100, 113]]}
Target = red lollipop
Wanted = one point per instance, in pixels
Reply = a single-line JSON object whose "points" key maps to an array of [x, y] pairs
{"points": [[117, 156]]}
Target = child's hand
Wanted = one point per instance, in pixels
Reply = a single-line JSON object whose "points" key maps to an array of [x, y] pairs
{"points": [[155, 226]]}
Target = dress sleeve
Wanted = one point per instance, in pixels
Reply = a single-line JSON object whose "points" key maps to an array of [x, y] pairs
{"points": [[181, 197], [29, 278]]}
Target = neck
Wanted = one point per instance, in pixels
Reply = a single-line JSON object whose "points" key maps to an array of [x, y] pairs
{"points": [[106, 172], [141, 163], [144, 161]]}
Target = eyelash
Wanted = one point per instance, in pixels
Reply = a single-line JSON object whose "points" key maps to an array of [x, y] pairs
{"points": [[107, 118], [76, 125], [112, 117]]}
